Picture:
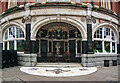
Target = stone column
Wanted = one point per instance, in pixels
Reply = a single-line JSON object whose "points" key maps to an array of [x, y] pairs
{"points": [[89, 30], [87, 46], [27, 41], [30, 57]]}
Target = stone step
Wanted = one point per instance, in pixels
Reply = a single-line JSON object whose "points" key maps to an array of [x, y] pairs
{"points": [[58, 65]]}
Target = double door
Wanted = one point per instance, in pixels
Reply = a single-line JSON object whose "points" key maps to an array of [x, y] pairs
{"points": [[58, 48]]}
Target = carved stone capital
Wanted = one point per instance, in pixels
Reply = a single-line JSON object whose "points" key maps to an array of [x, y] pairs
{"points": [[27, 7], [26, 19], [89, 13], [89, 21]]}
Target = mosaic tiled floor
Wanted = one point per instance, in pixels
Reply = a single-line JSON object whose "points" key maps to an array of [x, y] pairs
{"points": [[58, 72]]}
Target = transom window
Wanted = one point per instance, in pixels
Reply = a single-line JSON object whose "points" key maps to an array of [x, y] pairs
{"points": [[13, 39], [105, 40]]}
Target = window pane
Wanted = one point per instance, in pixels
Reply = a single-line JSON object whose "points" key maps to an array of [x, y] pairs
{"points": [[113, 47], [78, 34], [98, 33], [106, 32], [66, 46], [43, 33], [98, 47], [20, 45], [11, 45], [107, 47], [50, 46], [5, 45], [12, 32], [6, 35], [113, 36], [78, 46], [20, 33], [72, 33]]}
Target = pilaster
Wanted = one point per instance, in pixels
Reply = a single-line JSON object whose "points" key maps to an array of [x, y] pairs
{"points": [[30, 58]]}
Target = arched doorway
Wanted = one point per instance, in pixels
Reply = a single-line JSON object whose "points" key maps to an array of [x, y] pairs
{"points": [[58, 40]]}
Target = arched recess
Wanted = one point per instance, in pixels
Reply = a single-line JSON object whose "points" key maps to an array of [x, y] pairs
{"points": [[12, 23], [112, 26], [45, 21]]}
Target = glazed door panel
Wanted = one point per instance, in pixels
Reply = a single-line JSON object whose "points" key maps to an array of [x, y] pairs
{"points": [[43, 48], [72, 47]]}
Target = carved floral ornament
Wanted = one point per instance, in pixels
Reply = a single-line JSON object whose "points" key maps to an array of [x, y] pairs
{"points": [[57, 28], [26, 19]]}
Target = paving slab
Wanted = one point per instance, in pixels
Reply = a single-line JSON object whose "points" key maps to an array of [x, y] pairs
{"points": [[103, 74]]}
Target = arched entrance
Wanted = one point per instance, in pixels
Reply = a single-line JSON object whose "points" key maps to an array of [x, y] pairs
{"points": [[58, 42]]}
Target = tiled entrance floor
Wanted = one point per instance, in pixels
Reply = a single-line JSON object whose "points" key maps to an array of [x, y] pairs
{"points": [[58, 69]]}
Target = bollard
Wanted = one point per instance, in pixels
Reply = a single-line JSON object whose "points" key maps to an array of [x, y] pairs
{"points": [[106, 63], [118, 59], [114, 62]]}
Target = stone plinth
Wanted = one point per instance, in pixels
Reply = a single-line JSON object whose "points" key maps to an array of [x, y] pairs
{"points": [[29, 60]]}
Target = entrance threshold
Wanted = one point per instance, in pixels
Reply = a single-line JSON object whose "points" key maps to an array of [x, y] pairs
{"points": [[63, 65]]}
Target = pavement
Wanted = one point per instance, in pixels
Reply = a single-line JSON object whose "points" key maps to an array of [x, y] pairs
{"points": [[103, 74]]}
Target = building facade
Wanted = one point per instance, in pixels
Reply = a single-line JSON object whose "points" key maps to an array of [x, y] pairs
{"points": [[42, 30]]}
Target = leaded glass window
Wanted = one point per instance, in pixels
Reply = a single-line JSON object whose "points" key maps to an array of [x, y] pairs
{"points": [[20, 45], [98, 47], [20, 33], [13, 39], [98, 33], [105, 40], [11, 45], [6, 34]]}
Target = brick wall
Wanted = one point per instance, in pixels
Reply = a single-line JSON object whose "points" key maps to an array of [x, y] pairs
{"points": [[4, 6], [21, 2]]}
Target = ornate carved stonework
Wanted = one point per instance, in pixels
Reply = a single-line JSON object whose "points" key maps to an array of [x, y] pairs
{"points": [[58, 71], [26, 19], [89, 14], [34, 19], [83, 19]]}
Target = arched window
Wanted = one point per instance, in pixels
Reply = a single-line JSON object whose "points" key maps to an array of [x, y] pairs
{"points": [[105, 40], [13, 39]]}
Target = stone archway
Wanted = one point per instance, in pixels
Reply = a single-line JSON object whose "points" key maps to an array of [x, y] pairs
{"points": [[58, 39], [71, 21]]}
